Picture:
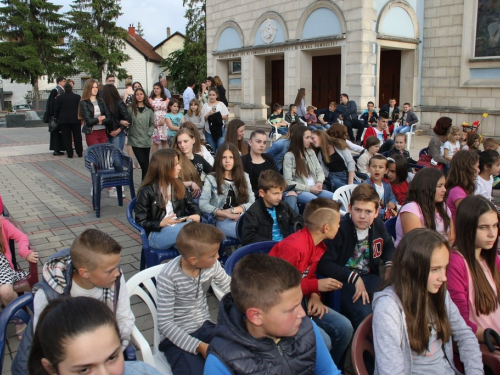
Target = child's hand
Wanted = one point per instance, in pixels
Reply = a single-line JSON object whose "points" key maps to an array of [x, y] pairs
{"points": [[202, 349], [391, 206], [169, 220], [315, 307], [32, 257], [194, 218], [329, 284], [360, 292]]}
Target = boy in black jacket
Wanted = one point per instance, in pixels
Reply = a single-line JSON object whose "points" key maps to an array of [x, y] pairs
{"points": [[269, 218], [352, 257]]}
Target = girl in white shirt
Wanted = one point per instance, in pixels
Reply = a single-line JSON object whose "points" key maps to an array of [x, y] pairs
{"points": [[452, 145], [489, 166], [213, 106]]}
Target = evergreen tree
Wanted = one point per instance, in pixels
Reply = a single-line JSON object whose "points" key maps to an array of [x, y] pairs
{"points": [[32, 34], [191, 62], [97, 43], [139, 31]]}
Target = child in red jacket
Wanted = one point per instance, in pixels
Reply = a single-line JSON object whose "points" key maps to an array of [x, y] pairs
{"points": [[303, 250]]}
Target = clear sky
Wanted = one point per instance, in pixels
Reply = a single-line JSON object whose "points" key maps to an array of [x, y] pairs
{"points": [[154, 15]]}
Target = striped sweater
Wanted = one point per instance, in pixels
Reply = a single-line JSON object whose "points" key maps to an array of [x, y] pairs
{"points": [[182, 301]]}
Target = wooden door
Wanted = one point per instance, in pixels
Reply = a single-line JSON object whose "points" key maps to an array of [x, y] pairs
{"points": [[390, 76], [278, 82], [325, 80]]}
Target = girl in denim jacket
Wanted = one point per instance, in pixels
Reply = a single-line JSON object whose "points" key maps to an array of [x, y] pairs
{"points": [[227, 192]]}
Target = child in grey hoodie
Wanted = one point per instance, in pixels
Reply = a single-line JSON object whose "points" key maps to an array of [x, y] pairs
{"points": [[413, 320]]}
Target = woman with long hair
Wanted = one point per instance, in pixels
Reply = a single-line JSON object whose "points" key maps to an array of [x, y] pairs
{"points": [[221, 90], [437, 142], [280, 147], [141, 128], [95, 114], [120, 119], [193, 165], [461, 179], [80, 335], [203, 93], [235, 134], [194, 115], [425, 206], [300, 102], [474, 270], [164, 205], [212, 107], [198, 147], [340, 131], [227, 191], [335, 159], [398, 176], [159, 102], [414, 318], [302, 169]]}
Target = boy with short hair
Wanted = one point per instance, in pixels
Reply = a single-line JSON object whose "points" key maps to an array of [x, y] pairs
{"points": [[276, 119], [490, 144], [369, 115], [303, 250], [328, 116], [352, 257], [407, 119], [377, 167], [269, 218], [262, 327], [292, 116], [182, 285], [89, 268]]}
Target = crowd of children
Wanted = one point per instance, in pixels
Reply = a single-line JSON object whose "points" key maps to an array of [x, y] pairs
{"points": [[273, 317]]}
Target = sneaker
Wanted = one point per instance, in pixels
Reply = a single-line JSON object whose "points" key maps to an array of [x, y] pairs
{"points": [[113, 193], [91, 192]]}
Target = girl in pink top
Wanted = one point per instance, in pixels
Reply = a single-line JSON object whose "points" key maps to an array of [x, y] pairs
{"points": [[425, 206], [473, 272], [461, 180]]}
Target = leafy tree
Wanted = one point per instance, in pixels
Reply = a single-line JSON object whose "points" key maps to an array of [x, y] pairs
{"points": [[97, 43], [191, 61], [32, 34], [139, 31]]}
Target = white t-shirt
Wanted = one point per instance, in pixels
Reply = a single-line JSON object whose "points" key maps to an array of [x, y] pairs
{"points": [[380, 134], [484, 187], [380, 190], [207, 107], [451, 147]]}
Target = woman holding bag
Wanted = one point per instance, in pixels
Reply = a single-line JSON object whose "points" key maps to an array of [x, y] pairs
{"points": [[95, 114]]}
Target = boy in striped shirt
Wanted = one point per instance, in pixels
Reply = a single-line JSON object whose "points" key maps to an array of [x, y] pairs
{"points": [[183, 317]]}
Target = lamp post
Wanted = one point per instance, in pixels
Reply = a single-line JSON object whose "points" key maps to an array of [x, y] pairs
{"points": [[2, 103]]}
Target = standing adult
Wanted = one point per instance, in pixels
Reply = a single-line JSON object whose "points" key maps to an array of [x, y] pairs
{"points": [[163, 82], [159, 102], [95, 114], [188, 94], [348, 113], [141, 128], [56, 140], [437, 142], [120, 119], [210, 82], [209, 109], [381, 131], [221, 90], [66, 112], [203, 93], [110, 79], [300, 103]]}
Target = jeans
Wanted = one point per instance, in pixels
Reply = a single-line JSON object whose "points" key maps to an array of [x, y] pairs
{"points": [[283, 130], [402, 129], [227, 226], [166, 237], [357, 312], [220, 141], [306, 197], [386, 146], [339, 330], [118, 141], [355, 124], [142, 156], [339, 179]]}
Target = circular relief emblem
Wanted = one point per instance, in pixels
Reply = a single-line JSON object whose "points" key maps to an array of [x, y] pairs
{"points": [[268, 30]]}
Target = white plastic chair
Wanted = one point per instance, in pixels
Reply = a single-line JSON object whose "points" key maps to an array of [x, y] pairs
{"points": [[142, 285], [276, 134], [409, 134], [343, 196]]}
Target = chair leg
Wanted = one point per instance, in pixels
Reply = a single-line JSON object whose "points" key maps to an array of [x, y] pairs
{"points": [[142, 265], [119, 191], [132, 190], [97, 198]]}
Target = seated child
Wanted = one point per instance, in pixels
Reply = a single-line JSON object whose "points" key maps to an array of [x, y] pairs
{"points": [[490, 144], [353, 256], [89, 268], [399, 148], [328, 116], [372, 146], [369, 115], [262, 326], [303, 250], [269, 218], [489, 167], [312, 119], [292, 116], [452, 145], [378, 169], [473, 142], [398, 176], [183, 317], [276, 119]]}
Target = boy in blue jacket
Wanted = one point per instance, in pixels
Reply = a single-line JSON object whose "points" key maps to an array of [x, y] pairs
{"points": [[378, 168], [353, 256], [262, 326]]}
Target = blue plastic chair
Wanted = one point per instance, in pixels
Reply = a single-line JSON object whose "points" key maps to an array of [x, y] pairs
{"points": [[227, 241], [15, 309], [390, 225], [239, 228], [149, 256], [106, 165], [423, 151], [258, 247]]}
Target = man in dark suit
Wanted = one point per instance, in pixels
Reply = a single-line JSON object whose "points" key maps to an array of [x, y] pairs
{"points": [[66, 111], [56, 142]]}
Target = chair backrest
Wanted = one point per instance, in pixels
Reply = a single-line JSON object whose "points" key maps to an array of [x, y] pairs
{"points": [[423, 151], [239, 228], [105, 156], [413, 127], [362, 342], [13, 308], [343, 195], [386, 154], [258, 247], [390, 225]]}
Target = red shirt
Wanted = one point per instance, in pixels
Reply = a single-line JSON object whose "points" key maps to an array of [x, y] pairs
{"points": [[299, 250], [400, 191]]}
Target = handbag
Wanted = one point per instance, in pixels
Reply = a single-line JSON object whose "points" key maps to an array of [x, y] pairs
{"points": [[53, 124], [425, 161]]}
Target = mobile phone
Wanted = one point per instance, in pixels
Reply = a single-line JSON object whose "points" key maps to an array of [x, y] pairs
{"points": [[181, 218], [289, 188], [214, 108]]}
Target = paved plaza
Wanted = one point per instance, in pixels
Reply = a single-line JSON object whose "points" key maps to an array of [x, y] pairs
{"points": [[50, 197]]}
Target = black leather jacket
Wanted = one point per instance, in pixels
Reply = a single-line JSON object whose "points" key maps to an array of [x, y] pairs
{"points": [[87, 110], [119, 114], [149, 215]]}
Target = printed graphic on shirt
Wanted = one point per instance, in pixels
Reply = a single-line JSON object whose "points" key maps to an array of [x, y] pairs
{"points": [[378, 245], [360, 258], [276, 231]]}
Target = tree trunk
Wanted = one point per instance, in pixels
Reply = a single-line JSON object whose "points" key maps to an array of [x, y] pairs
{"points": [[36, 96]]}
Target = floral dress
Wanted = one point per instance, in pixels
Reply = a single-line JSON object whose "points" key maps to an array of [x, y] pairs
{"points": [[160, 108]]}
